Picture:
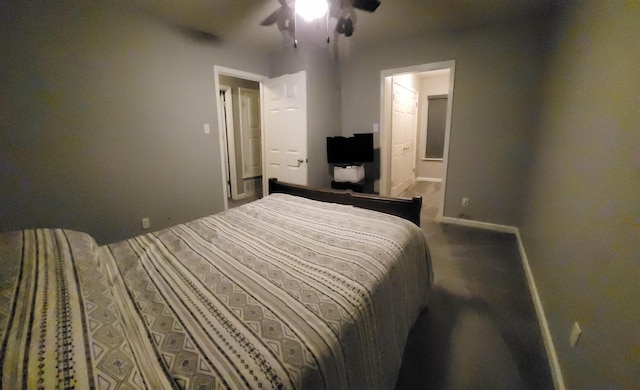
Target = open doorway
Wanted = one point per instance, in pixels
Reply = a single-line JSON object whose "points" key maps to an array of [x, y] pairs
{"points": [[414, 162], [241, 134], [281, 112], [242, 130]]}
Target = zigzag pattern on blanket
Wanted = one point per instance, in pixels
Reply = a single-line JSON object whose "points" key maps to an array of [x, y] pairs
{"points": [[284, 292], [59, 327]]}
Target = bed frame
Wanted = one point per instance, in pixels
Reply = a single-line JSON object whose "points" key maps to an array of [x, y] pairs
{"points": [[402, 207]]}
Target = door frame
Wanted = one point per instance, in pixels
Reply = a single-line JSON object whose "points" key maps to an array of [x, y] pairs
{"points": [[386, 76], [221, 70], [228, 133]]}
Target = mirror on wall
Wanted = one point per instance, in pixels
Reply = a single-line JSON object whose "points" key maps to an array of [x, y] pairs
{"points": [[436, 124]]}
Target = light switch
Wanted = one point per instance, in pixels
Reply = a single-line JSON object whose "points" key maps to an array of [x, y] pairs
{"points": [[376, 127], [575, 334], [207, 129]]}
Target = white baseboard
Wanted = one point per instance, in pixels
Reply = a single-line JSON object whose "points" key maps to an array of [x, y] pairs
{"points": [[243, 196], [480, 225], [552, 356], [250, 187], [431, 179]]}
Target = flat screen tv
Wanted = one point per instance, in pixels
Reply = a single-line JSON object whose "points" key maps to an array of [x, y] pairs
{"points": [[350, 150]]}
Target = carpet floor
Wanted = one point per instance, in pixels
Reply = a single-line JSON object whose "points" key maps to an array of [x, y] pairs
{"points": [[480, 330], [431, 193], [235, 203]]}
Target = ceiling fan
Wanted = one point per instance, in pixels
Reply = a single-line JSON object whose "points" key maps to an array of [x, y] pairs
{"points": [[343, 10]]}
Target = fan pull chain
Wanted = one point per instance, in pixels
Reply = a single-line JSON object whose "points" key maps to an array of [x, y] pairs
{"points": [[328, 40], [295, 26]]}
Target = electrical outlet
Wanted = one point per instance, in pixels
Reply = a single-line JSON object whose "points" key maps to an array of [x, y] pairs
{"points": [[575, 334], [465, 202], [146, 223]]}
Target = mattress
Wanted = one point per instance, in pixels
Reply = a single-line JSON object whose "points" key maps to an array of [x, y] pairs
{"points": [[284, 293]]}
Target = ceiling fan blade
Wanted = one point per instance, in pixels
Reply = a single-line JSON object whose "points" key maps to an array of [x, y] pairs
{"points": [[292, 29], [271, 19], [366, 5], [285, 18]]}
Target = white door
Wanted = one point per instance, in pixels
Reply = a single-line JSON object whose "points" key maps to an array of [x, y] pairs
{"points": [[285, 135], [222, 104], [404, 122], [250, 130]]}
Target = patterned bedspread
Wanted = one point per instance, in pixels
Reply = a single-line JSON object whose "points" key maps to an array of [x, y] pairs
{"points": [[283, 292]]}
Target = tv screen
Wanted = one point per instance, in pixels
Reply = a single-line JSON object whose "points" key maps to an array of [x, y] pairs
{"points": [[351, 150], [337, 150], [363, 147]]}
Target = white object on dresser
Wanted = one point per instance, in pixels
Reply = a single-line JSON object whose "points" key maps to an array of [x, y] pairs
{"points": [[351, 173]]}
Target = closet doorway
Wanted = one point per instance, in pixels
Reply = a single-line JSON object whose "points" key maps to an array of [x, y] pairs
{"points": [[282, 115], [240, 122]]}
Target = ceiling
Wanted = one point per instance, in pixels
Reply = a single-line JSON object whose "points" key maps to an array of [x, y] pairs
{"points": [[238, 21]]}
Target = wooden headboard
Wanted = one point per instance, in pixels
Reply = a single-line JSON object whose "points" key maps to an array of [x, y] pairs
{"points": [[402, 207]]}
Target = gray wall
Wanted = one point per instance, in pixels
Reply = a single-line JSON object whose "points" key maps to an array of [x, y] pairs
{"points": [[494, 108], [581, 223], [323, 100], [101, 119], [101, 116]]}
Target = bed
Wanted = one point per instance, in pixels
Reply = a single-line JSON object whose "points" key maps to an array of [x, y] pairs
{"points": [[288, 292]]}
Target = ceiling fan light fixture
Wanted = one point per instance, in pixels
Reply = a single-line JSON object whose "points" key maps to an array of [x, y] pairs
{"points": [[310, 10]]}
